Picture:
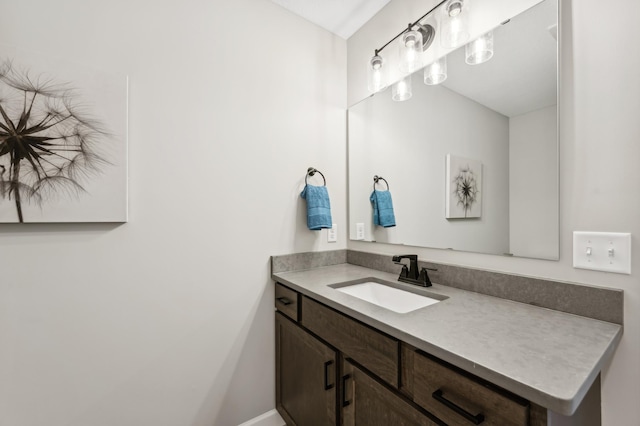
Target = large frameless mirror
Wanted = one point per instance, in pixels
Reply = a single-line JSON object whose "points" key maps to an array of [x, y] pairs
{"points": [[471, 163]]}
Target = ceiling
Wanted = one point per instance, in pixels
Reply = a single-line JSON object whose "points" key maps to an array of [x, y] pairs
{"points": [[341, 17]]}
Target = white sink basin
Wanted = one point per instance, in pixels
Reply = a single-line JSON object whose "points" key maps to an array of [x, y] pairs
{"points": [[391, 298]]}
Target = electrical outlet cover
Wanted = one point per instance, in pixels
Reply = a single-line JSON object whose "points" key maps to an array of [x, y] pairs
{"points": [[332, 233]]}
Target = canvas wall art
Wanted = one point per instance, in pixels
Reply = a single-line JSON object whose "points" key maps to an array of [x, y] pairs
{"points": [[463, 188], [63, 141]]}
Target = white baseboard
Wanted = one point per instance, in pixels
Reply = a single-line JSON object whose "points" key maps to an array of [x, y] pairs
{"points": [[270, 418]]}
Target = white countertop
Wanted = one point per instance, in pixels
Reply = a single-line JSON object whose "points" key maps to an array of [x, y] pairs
{"points": [[548, 357]]}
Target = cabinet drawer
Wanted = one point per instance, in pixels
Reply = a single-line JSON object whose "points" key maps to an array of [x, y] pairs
{"points": [[287, 301], [373, 350], [459, 399]]}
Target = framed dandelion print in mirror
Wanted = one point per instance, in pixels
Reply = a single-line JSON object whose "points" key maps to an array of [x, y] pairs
{"points": [[463, 188], [63, 141]]}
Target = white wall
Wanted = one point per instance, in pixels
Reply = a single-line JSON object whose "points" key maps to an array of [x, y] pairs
{"points": [[533, 207], [168, 319], [407, 143], [599, 174]]}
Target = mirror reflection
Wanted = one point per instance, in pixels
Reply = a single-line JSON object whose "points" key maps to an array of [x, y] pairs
{"points": [[471, 163]]}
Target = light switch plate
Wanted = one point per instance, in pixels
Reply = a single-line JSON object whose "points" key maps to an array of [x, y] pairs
{"points": [[602, 251]]}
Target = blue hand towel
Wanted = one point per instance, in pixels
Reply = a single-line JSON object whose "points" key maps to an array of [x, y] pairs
{"points": [[382, 209], [318, 207]]}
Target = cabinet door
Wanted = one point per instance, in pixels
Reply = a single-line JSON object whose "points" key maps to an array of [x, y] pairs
{"points": [[365, 402], [305, 376]]}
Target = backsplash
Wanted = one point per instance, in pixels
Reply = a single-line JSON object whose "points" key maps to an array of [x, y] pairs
{"points": [[308, 260], [593, 302]]}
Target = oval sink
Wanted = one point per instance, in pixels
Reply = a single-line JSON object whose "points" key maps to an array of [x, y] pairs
{"points": [[391, 298]]}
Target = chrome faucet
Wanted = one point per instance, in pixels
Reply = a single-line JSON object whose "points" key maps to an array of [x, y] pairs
{"points": [[411, 275]]}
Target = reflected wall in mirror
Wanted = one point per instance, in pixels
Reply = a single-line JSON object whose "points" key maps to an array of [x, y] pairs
{"points": [[503, 114]]}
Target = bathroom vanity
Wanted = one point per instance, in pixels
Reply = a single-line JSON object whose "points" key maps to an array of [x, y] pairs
{"points": [[468, 359]]}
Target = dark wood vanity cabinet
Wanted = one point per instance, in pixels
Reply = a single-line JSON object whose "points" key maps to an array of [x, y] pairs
{"points": [[334, 370]]}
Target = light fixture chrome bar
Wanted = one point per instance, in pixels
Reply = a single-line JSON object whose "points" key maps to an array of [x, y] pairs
{"points": [[410, 27]]}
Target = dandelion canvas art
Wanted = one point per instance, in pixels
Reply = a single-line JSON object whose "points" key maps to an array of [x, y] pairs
{"points": [[463, 188], [63, 142]]}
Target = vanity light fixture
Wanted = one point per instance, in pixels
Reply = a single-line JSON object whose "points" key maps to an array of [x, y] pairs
{"points": [[436, 72], [414, 40], [376, 80], [401, 91], [454, 24], [479, 50]]}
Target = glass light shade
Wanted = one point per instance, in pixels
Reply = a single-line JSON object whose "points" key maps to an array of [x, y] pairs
{"points": [[401, 91], [410, 51], [376, 79], [479, 50], [454, 7], [454, 25], [436, 72]]}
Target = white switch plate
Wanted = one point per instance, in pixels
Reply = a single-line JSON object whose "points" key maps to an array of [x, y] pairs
{"points": [[332, 234], [602, 251], [359, 231]]}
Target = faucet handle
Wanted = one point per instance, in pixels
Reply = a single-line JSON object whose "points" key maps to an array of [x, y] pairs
{"points": [[404, 273], [424, 276]]}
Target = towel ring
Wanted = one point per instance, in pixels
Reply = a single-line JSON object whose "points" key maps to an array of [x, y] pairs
{"points": [[312, 171], [376, 179]]}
